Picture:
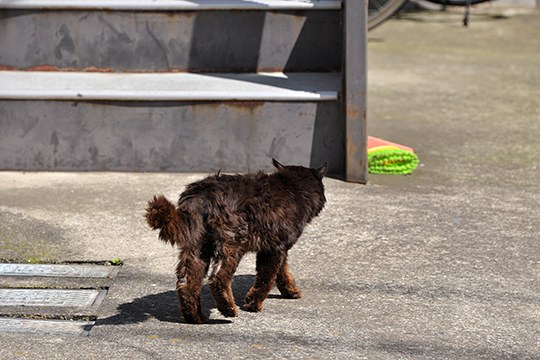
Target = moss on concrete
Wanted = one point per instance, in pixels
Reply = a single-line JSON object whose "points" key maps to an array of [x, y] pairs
{"points": [[28, 240]]}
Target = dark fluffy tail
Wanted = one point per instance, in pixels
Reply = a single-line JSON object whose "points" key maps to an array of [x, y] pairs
{"points": [[162, 215]]}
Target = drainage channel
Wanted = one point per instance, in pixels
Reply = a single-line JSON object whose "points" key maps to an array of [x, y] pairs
{"points": [[59, 270], [50, 327], [43, 309]]}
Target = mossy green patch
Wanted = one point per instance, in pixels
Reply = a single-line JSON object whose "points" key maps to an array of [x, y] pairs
{"points": [[116, 262], [24, 239]]}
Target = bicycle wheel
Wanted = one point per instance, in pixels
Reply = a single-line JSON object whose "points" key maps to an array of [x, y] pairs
{"points": [[457, 2], [381, 10]]}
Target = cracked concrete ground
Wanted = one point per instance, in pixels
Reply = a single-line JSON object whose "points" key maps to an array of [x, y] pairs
{"points": [[442, 264]]}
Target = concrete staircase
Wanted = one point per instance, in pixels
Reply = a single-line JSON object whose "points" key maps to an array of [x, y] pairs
{"points": [[171, 85]]}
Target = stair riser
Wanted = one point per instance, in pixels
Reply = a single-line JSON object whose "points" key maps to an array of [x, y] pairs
{"points": [[165, 136], [209, 41]]}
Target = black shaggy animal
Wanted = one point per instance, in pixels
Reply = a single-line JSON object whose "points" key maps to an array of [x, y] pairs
{"points": [[222, 217]]}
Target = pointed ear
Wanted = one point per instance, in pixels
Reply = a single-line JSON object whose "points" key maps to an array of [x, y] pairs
{"points": [[277, 164], [322, 170]]}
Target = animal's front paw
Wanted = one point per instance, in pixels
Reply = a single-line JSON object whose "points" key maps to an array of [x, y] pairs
{"points": [[194, 318], [198, 319], [229, 311], [294, 293], [252, 306]]}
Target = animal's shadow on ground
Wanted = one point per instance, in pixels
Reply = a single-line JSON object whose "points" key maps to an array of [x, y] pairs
{"points": [[164, 306]]}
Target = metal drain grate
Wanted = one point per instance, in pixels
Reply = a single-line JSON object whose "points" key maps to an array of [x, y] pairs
{"points": [[44, 308], [52, 327], [59, 270], [51, 297]]}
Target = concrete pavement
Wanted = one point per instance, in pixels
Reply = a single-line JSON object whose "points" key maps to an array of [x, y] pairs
{"points": [[442, 264]]}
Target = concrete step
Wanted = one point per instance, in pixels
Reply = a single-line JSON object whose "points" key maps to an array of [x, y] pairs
{"points": [[153, 35], [79, 86], [162, 85], [173, 5], [169, 122]]}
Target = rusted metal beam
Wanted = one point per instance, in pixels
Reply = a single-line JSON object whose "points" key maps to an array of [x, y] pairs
{"points": [[355, 89]]}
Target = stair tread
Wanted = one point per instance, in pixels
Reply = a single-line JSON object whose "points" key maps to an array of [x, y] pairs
{"points": [[169, 86], [174, 4]]}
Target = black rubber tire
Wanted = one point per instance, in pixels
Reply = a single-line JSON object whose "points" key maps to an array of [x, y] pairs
{"points": [[457, 2], [380, 10]]}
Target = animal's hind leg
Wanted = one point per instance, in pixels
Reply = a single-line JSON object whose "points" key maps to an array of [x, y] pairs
{"points": [[268, 265], [190, 273], [220, 282], [286, 284]]}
